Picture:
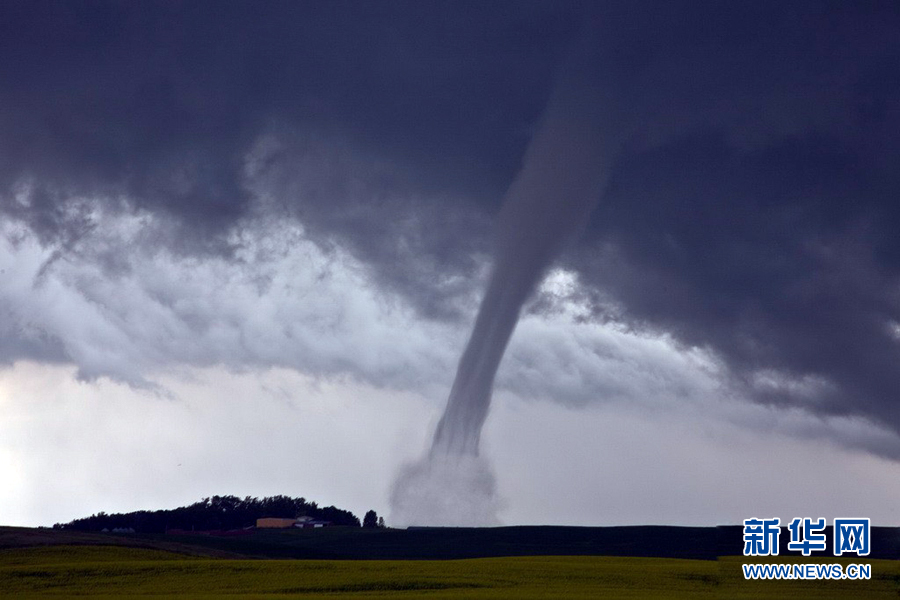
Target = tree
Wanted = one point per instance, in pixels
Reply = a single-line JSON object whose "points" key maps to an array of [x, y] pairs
{"points": [[216, 512], [370, 521], [380, 522]]}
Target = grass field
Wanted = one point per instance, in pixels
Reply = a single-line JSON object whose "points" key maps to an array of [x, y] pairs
{"points": [[116, 572]]}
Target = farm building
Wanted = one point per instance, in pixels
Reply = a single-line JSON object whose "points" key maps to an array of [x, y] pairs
{"points": [[303, 522], [312, 524], [274, 523]]}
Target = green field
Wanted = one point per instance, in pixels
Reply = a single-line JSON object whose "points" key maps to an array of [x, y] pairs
{"points": [[116, 572]]}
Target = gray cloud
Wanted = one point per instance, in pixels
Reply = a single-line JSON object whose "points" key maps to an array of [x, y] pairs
{"points": [[751, 212], [159, 103], [279, 300]]}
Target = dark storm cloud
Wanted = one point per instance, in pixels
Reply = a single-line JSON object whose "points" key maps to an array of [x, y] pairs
{"points": [[752, 208], [159, 102]]}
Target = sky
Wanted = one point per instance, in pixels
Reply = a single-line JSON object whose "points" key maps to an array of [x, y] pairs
{"points": [[242, 247]]}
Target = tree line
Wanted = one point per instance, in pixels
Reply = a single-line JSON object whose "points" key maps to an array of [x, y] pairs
{"points": [[215, 513]]}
